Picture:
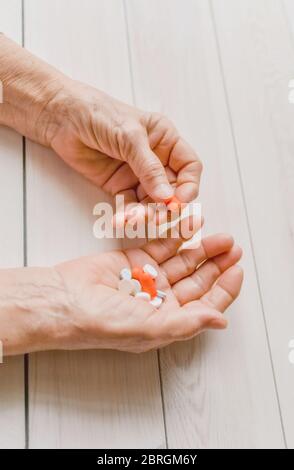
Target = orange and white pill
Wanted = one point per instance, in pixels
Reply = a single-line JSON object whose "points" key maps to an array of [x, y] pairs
{"points": [[148, 284]]}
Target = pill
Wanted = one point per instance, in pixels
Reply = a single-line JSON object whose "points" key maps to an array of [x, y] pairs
{"points": [[137, 272], [143, 296], [161, 294], [148, 284], [146, 281], [149, 269], [136, 286], [156, 302], [125, 286], [174, 204], [125, 274], [167, 201]]}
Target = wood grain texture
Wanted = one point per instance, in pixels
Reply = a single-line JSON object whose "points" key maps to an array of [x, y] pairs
{"points": [[258, 61], [12, 413], [218, 389], [85, 399]]}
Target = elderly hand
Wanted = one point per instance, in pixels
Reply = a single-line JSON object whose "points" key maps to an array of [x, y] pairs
{"points": [[116, 146], [121, 148], [102, 317], [76, 304]]}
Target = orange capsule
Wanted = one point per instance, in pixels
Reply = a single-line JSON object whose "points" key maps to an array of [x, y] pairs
{"points": [[146, 281], [137, 273], [148, 284], [167, 201]]}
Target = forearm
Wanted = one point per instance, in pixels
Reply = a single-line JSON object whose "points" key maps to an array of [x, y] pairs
{"points": [[29, 87], [32, 307]]}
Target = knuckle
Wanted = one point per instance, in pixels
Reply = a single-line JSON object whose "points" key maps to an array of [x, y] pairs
{"points": [[158, 119], [155, 116], [131, 131], [127, 135], [162, 118], [199, 282], [189, 266]]}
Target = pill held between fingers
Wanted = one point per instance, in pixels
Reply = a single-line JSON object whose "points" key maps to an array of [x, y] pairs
{"points": [[161, 294], [125, 274], [149, 269], [167, 201], [174, 204], [143, 296], [125, 286], [136, 286], [156, 302]]}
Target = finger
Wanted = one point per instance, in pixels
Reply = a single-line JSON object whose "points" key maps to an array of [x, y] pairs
{"points": [[183, 323], [201, 319], [163, 248], [176, 153], [121, 178], [125, 200], [186, 164], [195, 286], [98, 167], [226, 290], [130, 210], [141, 193], [149, 169], [185, 263]]}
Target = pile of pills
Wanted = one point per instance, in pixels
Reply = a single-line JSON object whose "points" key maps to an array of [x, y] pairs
{"points": [[140, 282]]}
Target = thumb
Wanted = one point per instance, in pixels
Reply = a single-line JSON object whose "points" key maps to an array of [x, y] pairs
{"points": [[150, 171]]}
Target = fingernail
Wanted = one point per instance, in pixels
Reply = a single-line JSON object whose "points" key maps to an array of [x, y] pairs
{"points": [[163, 191]]}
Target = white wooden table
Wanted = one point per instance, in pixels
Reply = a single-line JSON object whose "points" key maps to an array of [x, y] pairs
{"points": [[220, 69]]}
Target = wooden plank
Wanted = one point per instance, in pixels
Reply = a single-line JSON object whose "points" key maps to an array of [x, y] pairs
{"points": [[258, 62], [288, 10], [218, 389], [83, 399], [12, 413]]}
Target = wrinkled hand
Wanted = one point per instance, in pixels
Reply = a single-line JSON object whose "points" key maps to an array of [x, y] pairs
{"points": [[120, 148], [200, 284]]}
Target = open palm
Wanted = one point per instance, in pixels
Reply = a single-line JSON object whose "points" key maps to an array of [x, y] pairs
{"points": [[200, 284]]}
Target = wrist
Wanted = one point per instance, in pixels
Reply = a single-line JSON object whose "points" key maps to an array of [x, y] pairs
{"points": [[33, 307], [29, 86]]}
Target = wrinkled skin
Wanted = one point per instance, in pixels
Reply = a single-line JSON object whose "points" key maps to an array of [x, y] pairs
{"points": [[99, 316], [121, 148]]}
